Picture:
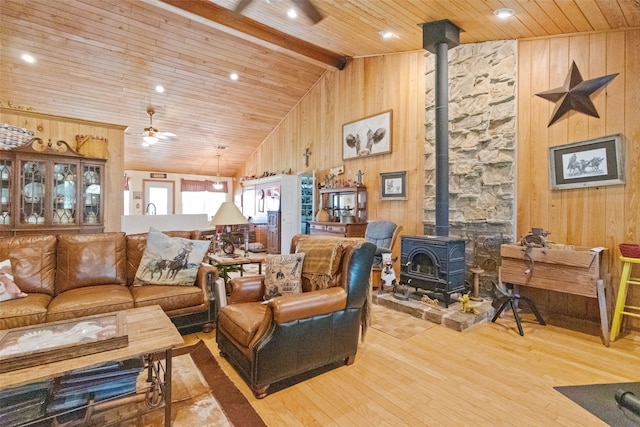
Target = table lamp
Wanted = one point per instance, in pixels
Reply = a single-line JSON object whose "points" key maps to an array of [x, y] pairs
{"points": [[229, 214]]}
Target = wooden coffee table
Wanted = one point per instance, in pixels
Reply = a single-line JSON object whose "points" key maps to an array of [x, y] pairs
{"points": [[149, 331]]}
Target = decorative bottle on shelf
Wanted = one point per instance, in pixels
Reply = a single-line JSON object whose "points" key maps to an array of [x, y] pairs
{"points": [[323, 215]]}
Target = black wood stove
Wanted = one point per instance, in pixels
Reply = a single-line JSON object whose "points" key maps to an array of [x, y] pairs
{"points": [[433, 263]]}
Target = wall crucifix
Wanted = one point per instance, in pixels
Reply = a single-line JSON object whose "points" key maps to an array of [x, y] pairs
{"points": [[306, 155]]}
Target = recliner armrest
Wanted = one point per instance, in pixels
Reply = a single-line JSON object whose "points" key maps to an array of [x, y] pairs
{"points": [[380, 251], [246, 289], [299, 306]]}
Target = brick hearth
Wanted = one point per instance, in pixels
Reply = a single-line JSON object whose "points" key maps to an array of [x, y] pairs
{"points": [[450, 317]]}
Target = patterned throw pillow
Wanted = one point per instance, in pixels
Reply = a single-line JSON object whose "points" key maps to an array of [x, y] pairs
{"points": [[8, 288], [170, 260], [283, 274]]}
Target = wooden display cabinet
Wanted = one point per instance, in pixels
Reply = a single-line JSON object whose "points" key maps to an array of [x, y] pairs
{"points": [[347, 201], [347, 211], [319, 228], [48, 188]]}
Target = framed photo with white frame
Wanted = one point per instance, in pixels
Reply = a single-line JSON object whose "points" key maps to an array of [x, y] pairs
{"points": [[393, 185], [369, 136], [591, 163]]}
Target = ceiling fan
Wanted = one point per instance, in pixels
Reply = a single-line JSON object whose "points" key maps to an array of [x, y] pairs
{"points": [[151, 135], [304, 5]]}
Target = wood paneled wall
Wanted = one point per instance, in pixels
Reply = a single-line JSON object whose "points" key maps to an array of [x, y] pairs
{"points": [[365, 87], [597, 216], [54, 128]]}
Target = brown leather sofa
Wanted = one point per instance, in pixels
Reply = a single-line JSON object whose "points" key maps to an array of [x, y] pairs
{"points": [[291, 335], [73, 275]]}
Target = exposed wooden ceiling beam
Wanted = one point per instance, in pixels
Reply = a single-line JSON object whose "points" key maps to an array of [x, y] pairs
{"points": [[230, 22]]}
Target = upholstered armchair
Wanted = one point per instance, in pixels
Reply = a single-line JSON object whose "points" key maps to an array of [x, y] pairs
{"points": [[289, 335], [383, 234]]}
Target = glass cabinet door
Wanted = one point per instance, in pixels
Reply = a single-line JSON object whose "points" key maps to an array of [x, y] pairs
{"points": [[65, 177], [91, 191], [5, 192], [33, 184]]}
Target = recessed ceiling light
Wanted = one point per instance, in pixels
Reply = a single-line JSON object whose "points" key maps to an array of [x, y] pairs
{"points": [[234, 76], [291, 13], [159, 89], [386, 34], [28, 58], [504, 12]]}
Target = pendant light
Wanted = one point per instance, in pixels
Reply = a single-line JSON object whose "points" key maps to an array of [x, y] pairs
{"points": [[218, 185]]}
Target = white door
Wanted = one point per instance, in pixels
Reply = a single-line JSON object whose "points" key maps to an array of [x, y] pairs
{"points": [[290, 211], [158, 197]]}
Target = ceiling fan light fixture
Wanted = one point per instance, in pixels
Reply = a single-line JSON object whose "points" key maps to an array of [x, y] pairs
{"points": [[150, 139]]}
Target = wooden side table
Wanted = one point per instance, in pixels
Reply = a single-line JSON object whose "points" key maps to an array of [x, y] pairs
{"points": [[225, 265]]}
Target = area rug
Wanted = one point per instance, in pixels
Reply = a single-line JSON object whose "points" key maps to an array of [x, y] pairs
{"points": [[599, 399], [397, 324], [202, 395]]}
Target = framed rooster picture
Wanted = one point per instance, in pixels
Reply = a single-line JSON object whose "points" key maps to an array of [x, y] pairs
{"points": [[369, 136]]}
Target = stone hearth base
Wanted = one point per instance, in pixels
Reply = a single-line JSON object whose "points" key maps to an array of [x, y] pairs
{"points": [[450, 317]]}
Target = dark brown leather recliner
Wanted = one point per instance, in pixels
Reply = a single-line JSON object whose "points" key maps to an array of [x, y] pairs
{"points": [[268, 342]]}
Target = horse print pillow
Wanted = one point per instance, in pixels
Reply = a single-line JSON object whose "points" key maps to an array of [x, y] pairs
{"points": [[170, 260], [283, 275]]}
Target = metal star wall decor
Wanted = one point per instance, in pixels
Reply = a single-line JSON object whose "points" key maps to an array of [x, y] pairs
{"points": [[575, 94]]}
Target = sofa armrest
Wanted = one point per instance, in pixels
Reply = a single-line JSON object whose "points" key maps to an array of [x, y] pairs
{"points": [[299, 306], [246, 289], [205, 279]]}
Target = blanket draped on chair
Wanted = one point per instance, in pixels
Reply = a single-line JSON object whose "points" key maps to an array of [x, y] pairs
{"points": [[321, 261]]}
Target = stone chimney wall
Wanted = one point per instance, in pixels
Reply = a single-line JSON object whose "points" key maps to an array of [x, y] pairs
{"points": [[482, 144]]}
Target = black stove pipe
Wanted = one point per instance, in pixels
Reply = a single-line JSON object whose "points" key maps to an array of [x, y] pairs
{"points": [[438, 37], [442, 139]]}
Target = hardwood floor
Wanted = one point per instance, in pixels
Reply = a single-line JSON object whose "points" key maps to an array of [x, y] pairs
{"points": [[485, 376]]}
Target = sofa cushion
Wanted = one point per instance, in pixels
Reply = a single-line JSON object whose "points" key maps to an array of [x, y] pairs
{"points": [[168, 297], [170, 260], [137, 243], [283, 274], [89, 300], [33, 262], [8, 288], [241, 321], [27, 311], [90, 260]]}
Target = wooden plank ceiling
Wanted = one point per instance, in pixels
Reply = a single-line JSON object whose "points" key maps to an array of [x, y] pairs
{"points": [[102, 59]]}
